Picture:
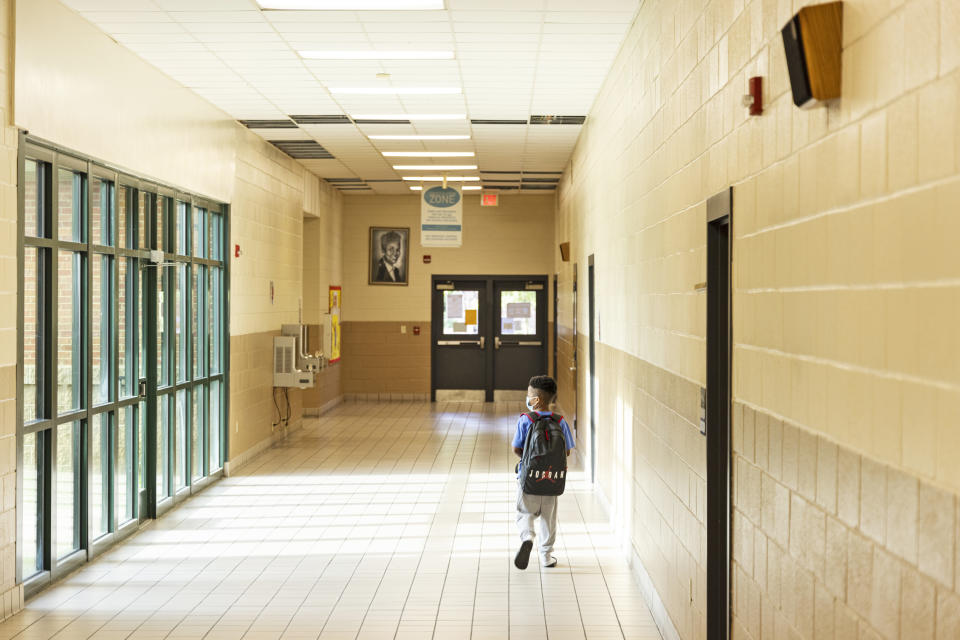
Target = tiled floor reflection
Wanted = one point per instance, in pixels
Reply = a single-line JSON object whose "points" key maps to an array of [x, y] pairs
{"points": [[375, 521]]}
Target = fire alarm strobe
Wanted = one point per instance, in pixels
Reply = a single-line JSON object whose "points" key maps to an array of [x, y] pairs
{"points": [[427, 259]]}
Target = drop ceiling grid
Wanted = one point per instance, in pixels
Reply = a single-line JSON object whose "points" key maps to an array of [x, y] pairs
{"points": [[513, 58]]}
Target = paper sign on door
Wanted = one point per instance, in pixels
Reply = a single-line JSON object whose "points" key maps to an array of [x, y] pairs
{"points": [[471, 316]]}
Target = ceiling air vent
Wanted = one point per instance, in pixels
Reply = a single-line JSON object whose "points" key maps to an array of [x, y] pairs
{"points": [[491, 121], [333, 119], [557, 119], [380, 121], [302, 149], [343, 180], [354, 189], [540, 180], [268, 124], [538, 187]]}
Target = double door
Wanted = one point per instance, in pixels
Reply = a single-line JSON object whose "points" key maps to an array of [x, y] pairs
{"points": [[489, 334]]}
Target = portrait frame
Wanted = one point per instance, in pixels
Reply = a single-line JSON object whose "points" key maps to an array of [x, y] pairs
{"points": [[377, 273]]}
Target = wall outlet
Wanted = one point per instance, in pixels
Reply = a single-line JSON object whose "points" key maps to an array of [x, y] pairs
{"points": [[236, 429], [403, 328]]}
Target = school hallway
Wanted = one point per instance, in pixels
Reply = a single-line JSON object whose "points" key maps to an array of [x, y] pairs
{"points": [[377, 520]]}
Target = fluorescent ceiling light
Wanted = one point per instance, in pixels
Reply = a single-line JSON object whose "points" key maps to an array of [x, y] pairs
{"points": [[440, 178], [396, 90], [466, 187], [428, 154], [376, 55], [435, 167], [419, 137], [408, 116], [351, 5]]}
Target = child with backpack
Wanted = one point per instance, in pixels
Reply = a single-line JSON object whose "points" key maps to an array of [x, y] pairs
{"points": [[543, 442]]}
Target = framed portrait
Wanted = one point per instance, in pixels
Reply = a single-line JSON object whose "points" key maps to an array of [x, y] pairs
{"points": [[389, 255]]}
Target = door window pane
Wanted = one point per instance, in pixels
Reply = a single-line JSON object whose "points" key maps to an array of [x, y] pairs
{"points": [[32, 335], [460, 312], [69, 335], [215, 425], [71, 205], [67, 489], [518, 313], [101, 216], [33, 196], [100, 474], [196, 432], [180, 457], [32, 467], [123, 468], [100, 305]]}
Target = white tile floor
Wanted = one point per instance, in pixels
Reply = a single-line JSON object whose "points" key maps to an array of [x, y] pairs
{"points": [[375, 521]]}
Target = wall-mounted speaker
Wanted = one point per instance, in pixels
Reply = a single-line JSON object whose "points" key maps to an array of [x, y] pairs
{"points": [[813, 42], [565, 251]]}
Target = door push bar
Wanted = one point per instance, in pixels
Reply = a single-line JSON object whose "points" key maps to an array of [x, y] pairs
{"points": [[497, 343], [459, 343]]}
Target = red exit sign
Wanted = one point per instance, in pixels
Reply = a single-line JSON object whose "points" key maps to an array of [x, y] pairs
{"points": [[489, 199]]}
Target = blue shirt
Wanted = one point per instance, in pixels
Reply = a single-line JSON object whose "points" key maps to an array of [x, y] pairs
{"points": [[523, 427]]}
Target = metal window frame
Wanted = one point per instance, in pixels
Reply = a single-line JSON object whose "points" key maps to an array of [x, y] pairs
{"points": [[160, 201]]}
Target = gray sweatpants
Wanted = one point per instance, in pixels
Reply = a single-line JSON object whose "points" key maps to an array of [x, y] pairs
{"points": [[528, 508]]}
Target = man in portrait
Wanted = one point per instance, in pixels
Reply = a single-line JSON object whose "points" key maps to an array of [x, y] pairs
{"points": [[390, 265]]}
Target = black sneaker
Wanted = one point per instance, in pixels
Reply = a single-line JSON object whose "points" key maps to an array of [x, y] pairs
{"points": [[522, 559]]}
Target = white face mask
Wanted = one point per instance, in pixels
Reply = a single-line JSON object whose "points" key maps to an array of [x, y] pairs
{"points": [[530, 406]]}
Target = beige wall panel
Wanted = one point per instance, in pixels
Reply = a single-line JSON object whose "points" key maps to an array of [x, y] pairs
{"points": [[80, 89], [515, 238]]}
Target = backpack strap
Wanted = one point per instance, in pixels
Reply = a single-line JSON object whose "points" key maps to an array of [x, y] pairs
{"points": [[533, 416]]}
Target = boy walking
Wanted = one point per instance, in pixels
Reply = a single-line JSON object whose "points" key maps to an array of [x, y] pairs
{"points": [[541, 392]]}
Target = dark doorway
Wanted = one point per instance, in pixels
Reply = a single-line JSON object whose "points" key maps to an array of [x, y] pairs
{"points": [[718, 395], [592, 381], [489, 334]]}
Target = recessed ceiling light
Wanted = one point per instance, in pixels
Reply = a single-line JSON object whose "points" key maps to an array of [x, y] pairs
{"points": [[441, 178], [408, 116], [435, 167], [351, 5], [458, 137], [396, 90], [428, 154], [466, 187], [376, 55]]}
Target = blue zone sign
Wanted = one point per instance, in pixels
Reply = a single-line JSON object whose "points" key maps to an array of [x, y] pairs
{"points": [[441, 197]]}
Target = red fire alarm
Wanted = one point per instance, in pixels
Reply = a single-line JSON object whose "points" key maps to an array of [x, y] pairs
{"points": [[416, 331], [754, 99], [427, 259], [236, 251]]}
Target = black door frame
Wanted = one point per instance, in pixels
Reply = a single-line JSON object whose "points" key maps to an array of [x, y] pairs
{"points": [[488, 309], [719, 348], [556, 303], [591, 379]]}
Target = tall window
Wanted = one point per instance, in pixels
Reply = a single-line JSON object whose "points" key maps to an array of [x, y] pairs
{"points": [[122, 355]]}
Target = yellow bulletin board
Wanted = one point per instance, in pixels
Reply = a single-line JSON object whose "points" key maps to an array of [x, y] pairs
{"points": [[335, 293]]}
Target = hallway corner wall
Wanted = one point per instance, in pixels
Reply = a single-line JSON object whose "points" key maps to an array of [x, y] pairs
{"points": [[515, 238], [845, 299], [11, 593]]}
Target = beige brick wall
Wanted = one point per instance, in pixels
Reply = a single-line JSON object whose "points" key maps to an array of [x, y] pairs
{"points": [[847, 287], [379, 359]]}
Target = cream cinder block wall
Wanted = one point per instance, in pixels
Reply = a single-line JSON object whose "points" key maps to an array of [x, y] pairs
{"points": [[11, 593], [846, 295], [513, 238], [322, 247]]}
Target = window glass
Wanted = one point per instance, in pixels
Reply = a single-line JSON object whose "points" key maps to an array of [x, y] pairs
{"points": [[215, 425], [124, 198], [32, 335], [164, 427], [33, 199], [460, 312], [196, 322], [123, 333], [31, 558], [196, 432], [518, 313], [180, 456], [160, 239], [71, 206], [69, 337], [143, 221], [200, 233], [182, 226], [100, 474], [100, 313], [182, 321], [67, 488], [163, 349], [101, 216], [216, 293], [123, 502], [142, 447]]}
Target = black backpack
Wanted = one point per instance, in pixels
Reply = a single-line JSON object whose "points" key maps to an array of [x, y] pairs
{"points": [[544, 458]]}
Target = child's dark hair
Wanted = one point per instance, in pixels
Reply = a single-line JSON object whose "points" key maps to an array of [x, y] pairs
{"points": [[545, 386]]}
